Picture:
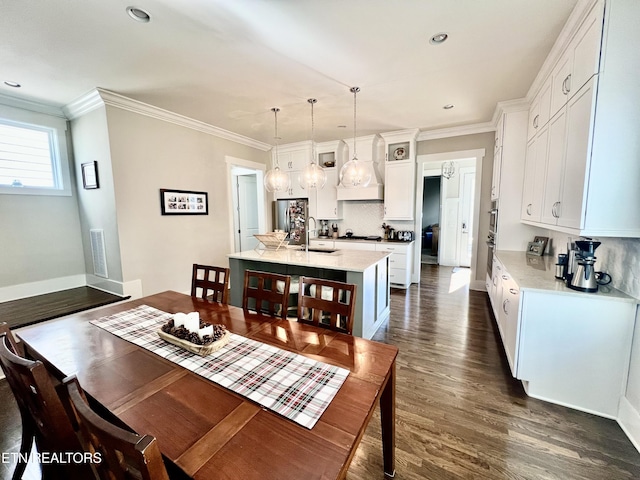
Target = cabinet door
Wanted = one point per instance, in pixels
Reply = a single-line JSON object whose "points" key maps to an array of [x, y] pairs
{"points": [[533, 188], [398, 190], [561, 75], [295, 190], [555, 168], [511, 323], [497, 172], [586, 51], [580, 112], [327, 205]]}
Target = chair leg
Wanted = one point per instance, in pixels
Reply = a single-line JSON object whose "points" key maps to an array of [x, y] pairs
{"points": [[28, 436]]}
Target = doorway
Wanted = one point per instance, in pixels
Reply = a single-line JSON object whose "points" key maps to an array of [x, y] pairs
{"points": [[246, 203], [459, 208], [430, 219]]}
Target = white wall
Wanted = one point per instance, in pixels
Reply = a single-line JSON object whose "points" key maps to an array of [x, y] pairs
{"points": [[40, 244], [148, 154], [97, 206]]}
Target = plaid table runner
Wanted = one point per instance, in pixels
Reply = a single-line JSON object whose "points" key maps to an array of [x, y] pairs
{"points": [[292, 385]]}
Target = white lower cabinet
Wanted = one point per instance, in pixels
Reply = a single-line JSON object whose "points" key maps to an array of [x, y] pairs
{"points": [[328, 244], [400, 262], [566, 347]]}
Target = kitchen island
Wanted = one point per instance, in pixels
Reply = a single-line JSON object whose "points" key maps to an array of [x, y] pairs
{"points": [[368, 270]]}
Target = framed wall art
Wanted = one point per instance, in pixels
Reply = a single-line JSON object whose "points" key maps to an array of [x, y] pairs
{"points": [[90, 175], [183, 202]]}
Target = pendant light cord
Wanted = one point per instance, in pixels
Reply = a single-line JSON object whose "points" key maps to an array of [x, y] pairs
{"points": [[275, 111], [355, 90], [312, 101]]}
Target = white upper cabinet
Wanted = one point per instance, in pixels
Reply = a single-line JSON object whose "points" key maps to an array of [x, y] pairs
{"points": [[540, 111], [592, 172], [292, 159], [534, 176], [327, 206], [497, 159], [579, 62], [399, 199], [399, 174]]}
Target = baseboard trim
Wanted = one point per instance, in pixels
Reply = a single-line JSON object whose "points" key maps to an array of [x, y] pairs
{"points": [[478, 285], [629, 421], [24, 290]]}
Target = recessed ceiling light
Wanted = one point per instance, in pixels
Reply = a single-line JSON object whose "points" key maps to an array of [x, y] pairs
{"points": [[448, 106], [438, 38], [9, 83], [138, 14]]}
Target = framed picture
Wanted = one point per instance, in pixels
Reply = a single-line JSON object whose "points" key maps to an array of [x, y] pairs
{"points": [[90, 175], [537, 246], [183, 202]]}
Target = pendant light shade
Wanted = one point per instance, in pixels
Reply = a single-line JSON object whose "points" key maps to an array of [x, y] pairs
{"points": [[354, 173], [276, 180], [313, 176]]}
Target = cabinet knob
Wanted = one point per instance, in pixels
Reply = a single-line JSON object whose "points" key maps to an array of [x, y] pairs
{"points": [[504, 306], [513, 291]]}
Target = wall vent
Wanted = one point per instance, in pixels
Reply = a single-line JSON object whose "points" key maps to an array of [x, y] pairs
{"points": [[98, 253]]}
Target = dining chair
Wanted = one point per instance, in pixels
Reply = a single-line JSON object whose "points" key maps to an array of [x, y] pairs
{"points": [[261, 293], [328, 303], [210, 283], [123, 454], [44, 418]]}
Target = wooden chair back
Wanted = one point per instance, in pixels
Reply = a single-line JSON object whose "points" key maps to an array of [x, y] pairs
{"points": [[327, 303], [124, 455], [261, 293], [44, 418], [210, 283]]}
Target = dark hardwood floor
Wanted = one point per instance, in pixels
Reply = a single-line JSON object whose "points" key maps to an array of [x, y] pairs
{"points": [[459, 413], [26, 311]]}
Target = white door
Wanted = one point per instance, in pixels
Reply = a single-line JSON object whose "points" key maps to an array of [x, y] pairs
{"points": [[247, 212], [468, 180]]}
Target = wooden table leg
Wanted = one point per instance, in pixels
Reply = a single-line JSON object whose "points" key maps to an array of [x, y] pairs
{"points": [[388, 418]]}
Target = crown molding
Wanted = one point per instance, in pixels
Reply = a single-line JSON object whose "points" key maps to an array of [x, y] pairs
{"points": [[509, 106], [98, 97], [471, 129], [31, 105]]}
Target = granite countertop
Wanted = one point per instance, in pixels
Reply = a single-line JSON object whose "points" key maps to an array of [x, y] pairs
{"points": [[344, 260], [538, 273]]}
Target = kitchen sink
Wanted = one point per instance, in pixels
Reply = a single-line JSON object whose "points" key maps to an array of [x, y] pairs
{"points": [[318, 250]]}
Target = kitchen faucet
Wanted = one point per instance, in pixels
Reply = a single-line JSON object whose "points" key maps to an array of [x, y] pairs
{"points": [[309, 231]]}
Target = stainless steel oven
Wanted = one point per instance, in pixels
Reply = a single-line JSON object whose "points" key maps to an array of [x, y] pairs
{"points": [[491, 238]]}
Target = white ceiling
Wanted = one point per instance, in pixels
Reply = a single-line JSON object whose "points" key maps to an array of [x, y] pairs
{"points": [[227, 62]]}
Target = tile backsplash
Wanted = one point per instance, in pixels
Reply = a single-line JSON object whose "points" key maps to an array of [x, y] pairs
{"points": [[366, 218], [619, 257]]}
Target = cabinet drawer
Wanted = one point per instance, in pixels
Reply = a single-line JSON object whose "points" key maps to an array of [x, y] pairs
{"points": [[398, 260], [386, 247], [398, 276], [355, 246], [322, 243]]}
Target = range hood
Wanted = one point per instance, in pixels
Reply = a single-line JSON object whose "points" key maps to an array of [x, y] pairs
{"points": [[370, 151]]}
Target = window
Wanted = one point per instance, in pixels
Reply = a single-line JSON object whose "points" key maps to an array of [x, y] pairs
{"points": [[33, 154], [27, 157]]}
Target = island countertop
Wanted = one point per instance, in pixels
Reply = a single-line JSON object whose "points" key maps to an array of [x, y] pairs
{"points": [[345, 260]]}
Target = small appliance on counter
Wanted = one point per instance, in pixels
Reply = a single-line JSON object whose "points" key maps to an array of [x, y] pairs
{"points": [[323, 231], [581, 274], [401, 235]]}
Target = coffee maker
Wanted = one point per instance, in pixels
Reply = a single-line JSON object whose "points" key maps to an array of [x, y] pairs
{"points": [[584, 277]]}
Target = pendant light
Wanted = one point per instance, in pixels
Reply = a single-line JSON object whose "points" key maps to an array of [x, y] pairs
{"points": [[354, 173], [313, 176], [448, 170], [276, 180]]}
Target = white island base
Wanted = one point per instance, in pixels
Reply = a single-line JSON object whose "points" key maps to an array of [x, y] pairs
{"points": [[368, 270]]}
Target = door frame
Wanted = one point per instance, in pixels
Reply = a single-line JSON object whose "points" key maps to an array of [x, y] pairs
{"points": [[429, 165], [238, 166]]}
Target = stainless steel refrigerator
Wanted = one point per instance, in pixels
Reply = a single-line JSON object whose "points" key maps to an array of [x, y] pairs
{"points": [[290, 215]]}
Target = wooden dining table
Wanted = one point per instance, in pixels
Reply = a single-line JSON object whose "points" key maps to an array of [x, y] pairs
{"points": [[210, 432]]}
